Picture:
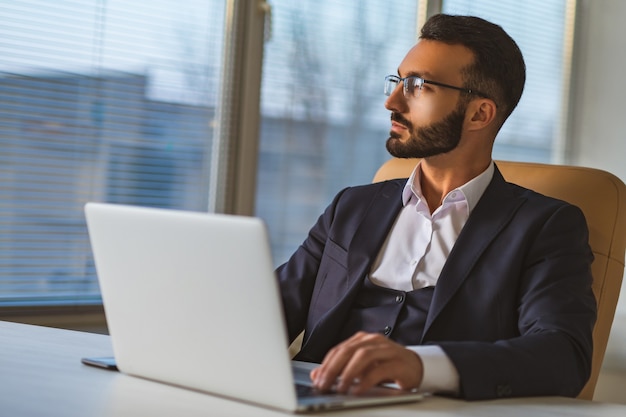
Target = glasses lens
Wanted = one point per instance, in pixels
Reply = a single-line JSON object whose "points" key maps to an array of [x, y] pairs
{"points": [[413, 86], [391, 83]]}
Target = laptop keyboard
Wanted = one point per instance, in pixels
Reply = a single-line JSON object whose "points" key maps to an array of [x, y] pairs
{"points": [[306, 391], [304, 387]]}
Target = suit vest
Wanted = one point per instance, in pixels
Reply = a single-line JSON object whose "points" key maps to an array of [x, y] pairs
{"points": [[399, 315]]}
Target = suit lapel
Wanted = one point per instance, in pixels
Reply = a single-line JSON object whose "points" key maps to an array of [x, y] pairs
{"points": [[492, 213], [373, 230], [364, 246]]}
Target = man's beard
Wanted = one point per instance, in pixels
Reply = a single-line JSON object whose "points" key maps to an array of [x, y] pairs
{"points": [[435, 139]]}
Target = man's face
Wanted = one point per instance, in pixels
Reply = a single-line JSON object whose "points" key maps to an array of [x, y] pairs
{"points": [[424, 141], [431, 122]]}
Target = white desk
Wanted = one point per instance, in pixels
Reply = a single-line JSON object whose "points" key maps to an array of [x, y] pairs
{"points": [[41, 375]]}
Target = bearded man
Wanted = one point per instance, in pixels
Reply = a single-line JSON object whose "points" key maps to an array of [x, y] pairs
{"points": [[452, 281]]}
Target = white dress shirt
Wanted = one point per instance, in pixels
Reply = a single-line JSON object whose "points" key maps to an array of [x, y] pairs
{"points": [[415, 251]]}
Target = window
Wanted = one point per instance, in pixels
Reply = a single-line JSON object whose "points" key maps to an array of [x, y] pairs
{"points": [[115, 100], [323, 121], [533, 132], [101, 100]]}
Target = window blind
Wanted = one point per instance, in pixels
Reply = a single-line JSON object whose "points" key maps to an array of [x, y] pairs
{"points": [[539, 29], [101, 101], [323, 121]]}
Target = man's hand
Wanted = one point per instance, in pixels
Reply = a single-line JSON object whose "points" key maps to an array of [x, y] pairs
{"points": [[366, 360]]}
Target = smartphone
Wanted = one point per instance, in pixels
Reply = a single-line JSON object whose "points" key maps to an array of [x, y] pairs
{"points": [[104, 362]]}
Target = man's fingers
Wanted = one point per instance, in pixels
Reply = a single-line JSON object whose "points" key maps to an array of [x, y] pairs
{"points": [[333, 365], [404, 370], [373, 363], [366, 360]]}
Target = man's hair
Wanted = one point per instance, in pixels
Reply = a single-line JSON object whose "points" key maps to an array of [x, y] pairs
{"points": [[498, 70]]}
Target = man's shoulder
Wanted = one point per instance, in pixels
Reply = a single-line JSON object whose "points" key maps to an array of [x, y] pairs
{"points": [[384, 188], [501, 187], [506, 197], [541, 207], [536, 198], [377, 186]]}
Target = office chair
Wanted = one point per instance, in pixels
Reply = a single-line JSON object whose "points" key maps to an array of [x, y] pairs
{"points": [[602, 198]]}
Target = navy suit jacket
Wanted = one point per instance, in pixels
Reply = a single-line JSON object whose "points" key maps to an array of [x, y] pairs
{"points": [[513, 307]]}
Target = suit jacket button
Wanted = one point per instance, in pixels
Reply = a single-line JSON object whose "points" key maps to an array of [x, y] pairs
{"points": [[387, 330]]}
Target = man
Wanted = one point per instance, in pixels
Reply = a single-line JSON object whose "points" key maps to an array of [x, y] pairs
{"points": [[452, 281]]}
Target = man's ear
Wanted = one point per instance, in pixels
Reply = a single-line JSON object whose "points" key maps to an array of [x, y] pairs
{"points": [[481, 113]]}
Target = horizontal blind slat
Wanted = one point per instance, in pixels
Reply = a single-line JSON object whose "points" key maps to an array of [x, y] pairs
{"points": [[79, 122]]}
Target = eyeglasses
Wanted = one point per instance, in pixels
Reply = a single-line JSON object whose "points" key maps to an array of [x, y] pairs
{"points": [[413, 86]]}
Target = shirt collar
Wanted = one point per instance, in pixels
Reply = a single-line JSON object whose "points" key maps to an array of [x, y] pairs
{"points": [[472, 190]]}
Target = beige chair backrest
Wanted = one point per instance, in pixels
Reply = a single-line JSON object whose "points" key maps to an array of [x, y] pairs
{"points": [[602, 197]]}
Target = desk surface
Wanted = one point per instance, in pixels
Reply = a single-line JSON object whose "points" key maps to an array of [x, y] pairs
{"points": [[41, 375]]}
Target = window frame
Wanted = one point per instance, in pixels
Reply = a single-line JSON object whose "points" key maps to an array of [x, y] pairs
{"points": [[233, 161], [235, 152]]}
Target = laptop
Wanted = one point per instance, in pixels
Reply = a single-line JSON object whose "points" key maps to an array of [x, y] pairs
{"points": [[191, 299]]}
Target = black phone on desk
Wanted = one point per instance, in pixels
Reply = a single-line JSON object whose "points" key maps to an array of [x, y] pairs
{"points": [[104, 362]]}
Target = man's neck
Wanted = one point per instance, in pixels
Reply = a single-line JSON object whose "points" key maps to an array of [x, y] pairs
{"points": [[439, 177]]}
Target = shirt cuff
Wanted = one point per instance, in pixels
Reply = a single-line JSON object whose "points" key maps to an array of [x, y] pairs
{"points": [[440, 374]]}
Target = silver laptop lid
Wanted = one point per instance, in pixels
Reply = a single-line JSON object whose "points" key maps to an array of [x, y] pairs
{"points": [[191, 299]]}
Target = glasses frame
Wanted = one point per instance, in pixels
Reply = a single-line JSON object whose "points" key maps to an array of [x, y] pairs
{"points": [[421, 81]]}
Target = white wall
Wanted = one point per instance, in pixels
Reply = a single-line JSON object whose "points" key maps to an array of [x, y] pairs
{"points": [[598, 113], [598, 125], [597, 131]]}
